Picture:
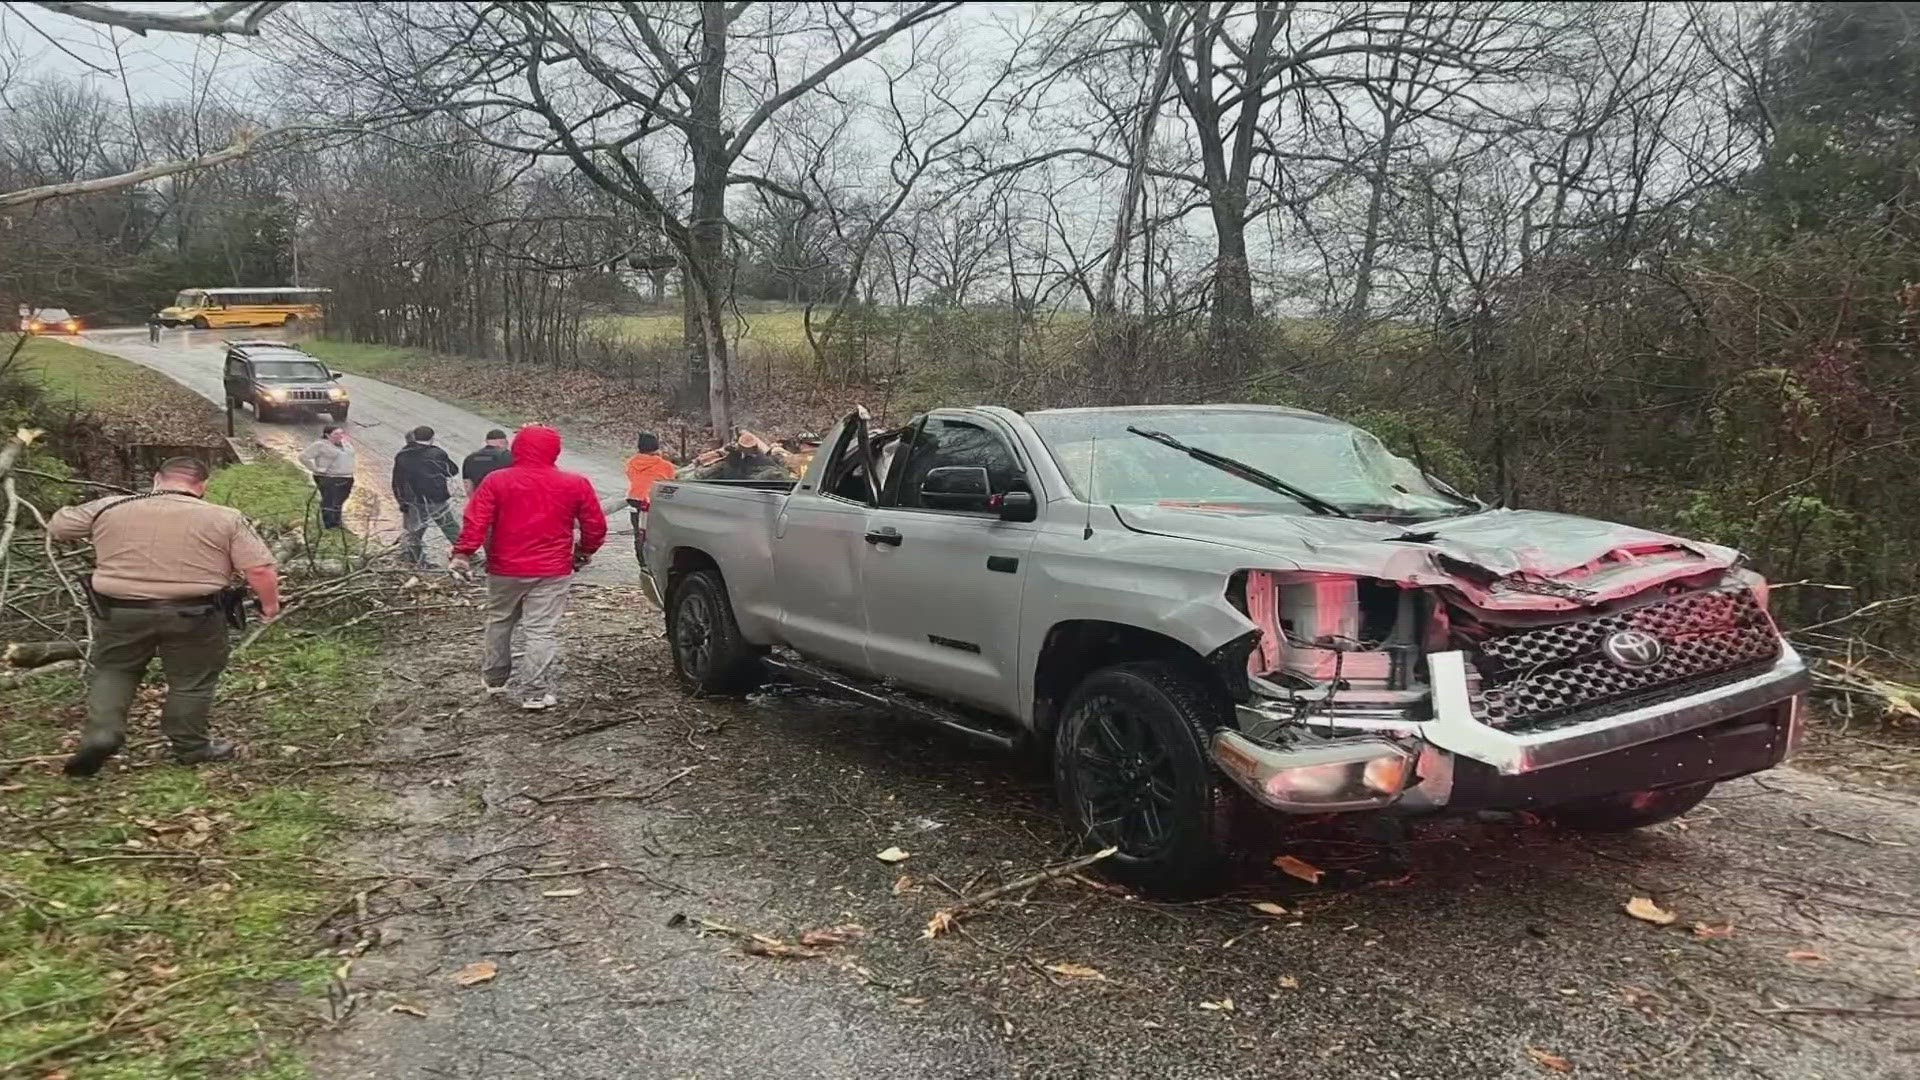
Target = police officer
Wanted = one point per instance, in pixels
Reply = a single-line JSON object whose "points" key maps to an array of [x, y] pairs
{"points": [[165, 564]]}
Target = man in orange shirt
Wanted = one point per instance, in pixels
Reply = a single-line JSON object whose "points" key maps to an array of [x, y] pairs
{"points": [[643, 468]]}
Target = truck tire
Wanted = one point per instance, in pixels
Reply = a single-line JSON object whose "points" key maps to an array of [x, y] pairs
{"points": [[1627, 810], [1131, 766], [339, 415], [200, 323], [708, 651]]}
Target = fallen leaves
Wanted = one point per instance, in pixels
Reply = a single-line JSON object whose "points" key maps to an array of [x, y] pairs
{"points": [[1076, 971], [405, 1008], [1547, 1060], [1646, 910], [1807, 956], [893, 855], [839, 935], [941, 922], [1703, 930], [559, 894], [480, 971], [1268, 907], [1288, 982], [1299, 868], [1225, 1004], [905, 884]]}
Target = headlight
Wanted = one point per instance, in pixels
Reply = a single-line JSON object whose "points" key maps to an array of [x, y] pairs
{"points": [[73, 326], [276, 395], [337, 394]]}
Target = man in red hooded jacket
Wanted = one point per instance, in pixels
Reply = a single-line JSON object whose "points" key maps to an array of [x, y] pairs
{"points": [[526, 515]]}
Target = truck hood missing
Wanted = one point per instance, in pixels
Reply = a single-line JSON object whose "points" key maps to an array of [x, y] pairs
{"points": [[1522, 560]]}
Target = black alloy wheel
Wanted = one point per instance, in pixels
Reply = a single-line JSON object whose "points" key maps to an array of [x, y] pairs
{"points": [[708, 650], [1132, 768]]}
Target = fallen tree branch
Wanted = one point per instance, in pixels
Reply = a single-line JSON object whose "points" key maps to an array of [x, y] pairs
{"points": [[375, 763], [33, 654], [947, 918], [11, 679], [1842, 1010], [616, 796]]}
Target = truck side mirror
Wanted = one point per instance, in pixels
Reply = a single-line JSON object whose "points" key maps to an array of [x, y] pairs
{"points": [[1015, 506], [956, 487]]}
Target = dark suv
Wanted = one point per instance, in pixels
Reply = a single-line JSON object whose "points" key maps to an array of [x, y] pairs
{"points": [[273, 377]]}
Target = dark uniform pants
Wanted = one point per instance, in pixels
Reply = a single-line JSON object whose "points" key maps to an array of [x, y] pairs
{"points": [[191, 643]]}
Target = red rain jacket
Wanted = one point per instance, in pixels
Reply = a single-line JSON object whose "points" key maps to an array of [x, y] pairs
{"points": [[525, 513]]}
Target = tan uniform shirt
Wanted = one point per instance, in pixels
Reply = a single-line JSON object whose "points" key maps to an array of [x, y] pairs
{"points": [[165, 547]]}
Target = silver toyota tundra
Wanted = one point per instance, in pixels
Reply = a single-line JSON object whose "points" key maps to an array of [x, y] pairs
{"points": [[1190, 607]]}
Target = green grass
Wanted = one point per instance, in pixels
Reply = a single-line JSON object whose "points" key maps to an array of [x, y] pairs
{"points": [[358, 358], [126, 968], [269, 491], [389, 363], [67, 372], [770, 325]]}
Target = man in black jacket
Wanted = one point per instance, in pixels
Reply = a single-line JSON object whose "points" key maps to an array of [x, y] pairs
{"points": [[489, 458], [420, 475]]}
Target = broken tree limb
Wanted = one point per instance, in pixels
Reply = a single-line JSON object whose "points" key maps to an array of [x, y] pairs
{"points": [[10, 679], [947, 918], [33, 654], [617, 796]]}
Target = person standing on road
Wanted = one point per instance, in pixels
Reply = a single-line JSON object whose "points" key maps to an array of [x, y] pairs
{"points": [[645, 467], [420, 475], [165, 564], [538, 524], [331, 461], [492, 456]]}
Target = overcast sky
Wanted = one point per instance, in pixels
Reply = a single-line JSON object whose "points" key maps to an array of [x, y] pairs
{"points": [[156, 67]]}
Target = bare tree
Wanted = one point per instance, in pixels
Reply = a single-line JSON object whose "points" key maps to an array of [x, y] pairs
{"points": [[661, 105], [239, 19]]}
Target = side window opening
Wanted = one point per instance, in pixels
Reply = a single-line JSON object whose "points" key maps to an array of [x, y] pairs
{"points": [[846, 477], [956, 444]]}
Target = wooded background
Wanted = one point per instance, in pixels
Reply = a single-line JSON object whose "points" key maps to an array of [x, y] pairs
{"points": [[1647, 261]]}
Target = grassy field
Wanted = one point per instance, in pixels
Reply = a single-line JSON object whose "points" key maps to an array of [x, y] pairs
{"points": [[69, 373], [762, 324], [151, 920]]}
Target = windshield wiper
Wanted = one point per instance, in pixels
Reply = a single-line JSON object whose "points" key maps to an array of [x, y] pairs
{"points": [[1244, 471]]}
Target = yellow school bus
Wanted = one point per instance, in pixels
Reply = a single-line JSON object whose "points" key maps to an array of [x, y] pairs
{"points": [[204, 308]]}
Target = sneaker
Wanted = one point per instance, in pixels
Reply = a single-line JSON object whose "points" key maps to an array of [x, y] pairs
{"points": [[215, 750], [544, 701], [492, 690], [87, 760]]}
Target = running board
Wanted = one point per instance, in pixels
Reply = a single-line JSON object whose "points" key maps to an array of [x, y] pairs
{"points": [[884, 697]]}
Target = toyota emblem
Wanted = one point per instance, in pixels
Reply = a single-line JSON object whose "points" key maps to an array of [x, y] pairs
{"points": [[1634, 649]]}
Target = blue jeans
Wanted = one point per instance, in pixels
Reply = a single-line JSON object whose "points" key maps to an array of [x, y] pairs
{"points": [[414, 519]]}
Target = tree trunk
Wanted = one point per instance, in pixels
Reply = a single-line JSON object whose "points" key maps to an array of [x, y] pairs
{"points": [[707, 223], [1231, 325]]}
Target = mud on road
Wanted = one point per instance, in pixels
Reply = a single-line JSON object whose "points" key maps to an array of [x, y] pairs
{"points": [[578, 852]]}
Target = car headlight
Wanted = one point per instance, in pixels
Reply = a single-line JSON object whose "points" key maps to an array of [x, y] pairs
{"points": [[337, 393], [276, 395]]}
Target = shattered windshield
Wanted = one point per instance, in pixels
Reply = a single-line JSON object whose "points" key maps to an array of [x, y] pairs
{"points": [[1332, 461]]}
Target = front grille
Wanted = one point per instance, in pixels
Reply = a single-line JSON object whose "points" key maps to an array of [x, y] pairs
{"points": [[306, 395], [1530, 678]]}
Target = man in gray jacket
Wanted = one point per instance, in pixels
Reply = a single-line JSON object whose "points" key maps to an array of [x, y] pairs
{"points": [[330, 459]]}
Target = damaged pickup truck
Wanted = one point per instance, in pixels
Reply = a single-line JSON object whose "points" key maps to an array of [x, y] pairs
{"points": [[1191, 608]]}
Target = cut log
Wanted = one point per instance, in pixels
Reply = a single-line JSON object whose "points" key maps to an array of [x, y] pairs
{"points": [[33, 654]]}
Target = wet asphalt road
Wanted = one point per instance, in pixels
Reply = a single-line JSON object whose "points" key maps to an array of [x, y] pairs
{"points": [[580, 850], [377, 423]]}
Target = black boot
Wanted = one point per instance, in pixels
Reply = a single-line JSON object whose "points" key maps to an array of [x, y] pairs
{"points": [[92, 754], [215, 750]]}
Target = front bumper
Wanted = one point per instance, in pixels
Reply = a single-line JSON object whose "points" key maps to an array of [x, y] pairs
{"points": [[1683, 730]]}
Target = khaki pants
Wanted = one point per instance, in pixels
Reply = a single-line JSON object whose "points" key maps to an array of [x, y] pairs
{"points": [[534, 606], [192, 646]]}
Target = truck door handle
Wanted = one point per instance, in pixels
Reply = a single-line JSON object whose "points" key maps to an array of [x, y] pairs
{"points": [[884, 536]]}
